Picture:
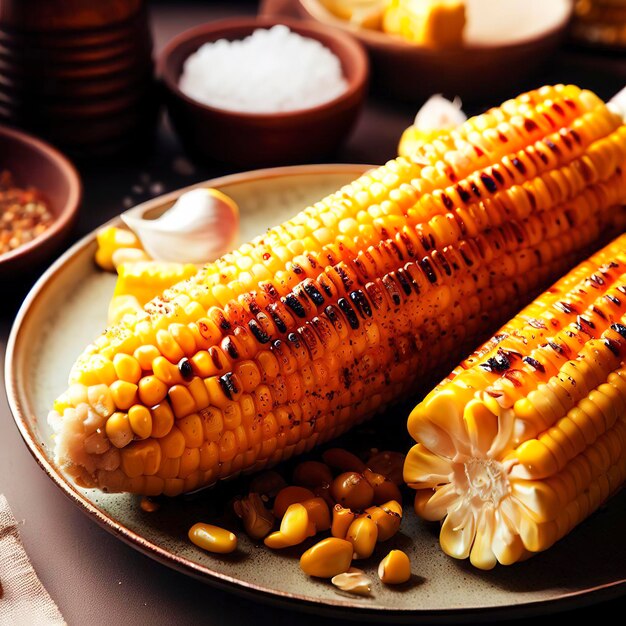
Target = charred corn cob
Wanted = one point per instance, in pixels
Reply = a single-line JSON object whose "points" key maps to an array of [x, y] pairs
{"points": [[328, 318], [527, 437]]}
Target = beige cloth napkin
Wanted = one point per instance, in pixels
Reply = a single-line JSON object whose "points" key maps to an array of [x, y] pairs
{"points": [[23, 599]]}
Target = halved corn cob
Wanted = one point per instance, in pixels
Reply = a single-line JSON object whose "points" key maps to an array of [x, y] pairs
{"points": [[331, 316], [527, 437]]}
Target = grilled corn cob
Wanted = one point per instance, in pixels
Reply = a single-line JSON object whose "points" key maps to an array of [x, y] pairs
{"points": [[328, 318], [527, 437]]}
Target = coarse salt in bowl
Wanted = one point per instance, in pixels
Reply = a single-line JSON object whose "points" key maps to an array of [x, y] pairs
{"points": [[249, 91], [270, 71]]}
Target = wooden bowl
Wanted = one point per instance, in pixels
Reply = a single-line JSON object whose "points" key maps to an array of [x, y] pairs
{"points": [[507, 41], [260, 139], [34, 163]]}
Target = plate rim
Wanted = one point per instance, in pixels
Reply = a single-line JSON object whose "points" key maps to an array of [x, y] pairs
{"points": [[333, 607]]}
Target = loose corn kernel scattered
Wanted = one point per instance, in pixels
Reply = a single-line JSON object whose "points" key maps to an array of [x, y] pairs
{"points": [[213, 538], [257, 520], [388, 463], [318, 513], [387, 517], [363, 534], [295, 527], [352, 491], [326, 559], [288, 496], [384, 489], [312, 474], [342, 519], [353, 581], [342, 460], [395, 568]]}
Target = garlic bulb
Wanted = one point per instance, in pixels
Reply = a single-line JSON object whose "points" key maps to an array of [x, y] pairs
{"points": [[202, 225]]}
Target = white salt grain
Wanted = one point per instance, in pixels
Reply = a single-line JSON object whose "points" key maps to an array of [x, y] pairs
{"points": [[270, 71]]}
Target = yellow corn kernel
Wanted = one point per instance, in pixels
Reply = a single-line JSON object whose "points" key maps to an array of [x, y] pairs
{"points": [[199, 392], [395, 568], [326, 559], [312, 474], [168, 346], [151, 390], [145, 355], [384, 489], [140, 421], [295, 527], [166, 372], [173, 444], [124, 394], [318, 512], [142, 458], [363, 534], [182, 401], [213, 538], [127, 367], [162, 420], [118, 430], [288, 496], [191, 427], [110, 239], [343, 461], [342, 519], [388, 517]]}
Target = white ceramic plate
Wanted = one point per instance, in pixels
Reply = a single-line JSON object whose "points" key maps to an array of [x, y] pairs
{"points": [[67, 309]]}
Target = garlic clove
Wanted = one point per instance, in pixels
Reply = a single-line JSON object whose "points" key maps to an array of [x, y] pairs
{"points": [[202, 225], [439, 113]]}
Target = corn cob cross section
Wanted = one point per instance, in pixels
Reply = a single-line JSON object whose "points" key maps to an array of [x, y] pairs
{"points": [[527, 437], [332, 316]]}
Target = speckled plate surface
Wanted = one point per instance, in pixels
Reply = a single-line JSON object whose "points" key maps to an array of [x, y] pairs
{"points": [[67, 309]]}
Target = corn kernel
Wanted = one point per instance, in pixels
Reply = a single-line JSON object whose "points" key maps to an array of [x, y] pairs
{"points": [[213, 538], [182, 401], [312, 474], [118, 430], [342, 519], [192, 430], [140, 421], [145, 355], [127, 367], [363, 534], [162, 420], [295, 527], [395, 568], [326, 559], [318, 512], [124, 394], [151, 390], [288, 496], [173, 444]]}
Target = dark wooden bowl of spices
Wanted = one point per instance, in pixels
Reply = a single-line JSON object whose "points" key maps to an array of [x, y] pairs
{"points": [[40, 192]]}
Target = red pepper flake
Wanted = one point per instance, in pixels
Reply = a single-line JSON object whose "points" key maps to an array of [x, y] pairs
{"points": [[24, 215]]}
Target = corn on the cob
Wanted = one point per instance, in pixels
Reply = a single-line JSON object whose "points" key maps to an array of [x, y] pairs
{"points": [[527, 437], [328, 318]]}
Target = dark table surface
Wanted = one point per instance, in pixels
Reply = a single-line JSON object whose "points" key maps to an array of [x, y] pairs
{"points": [[93, 577]]}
